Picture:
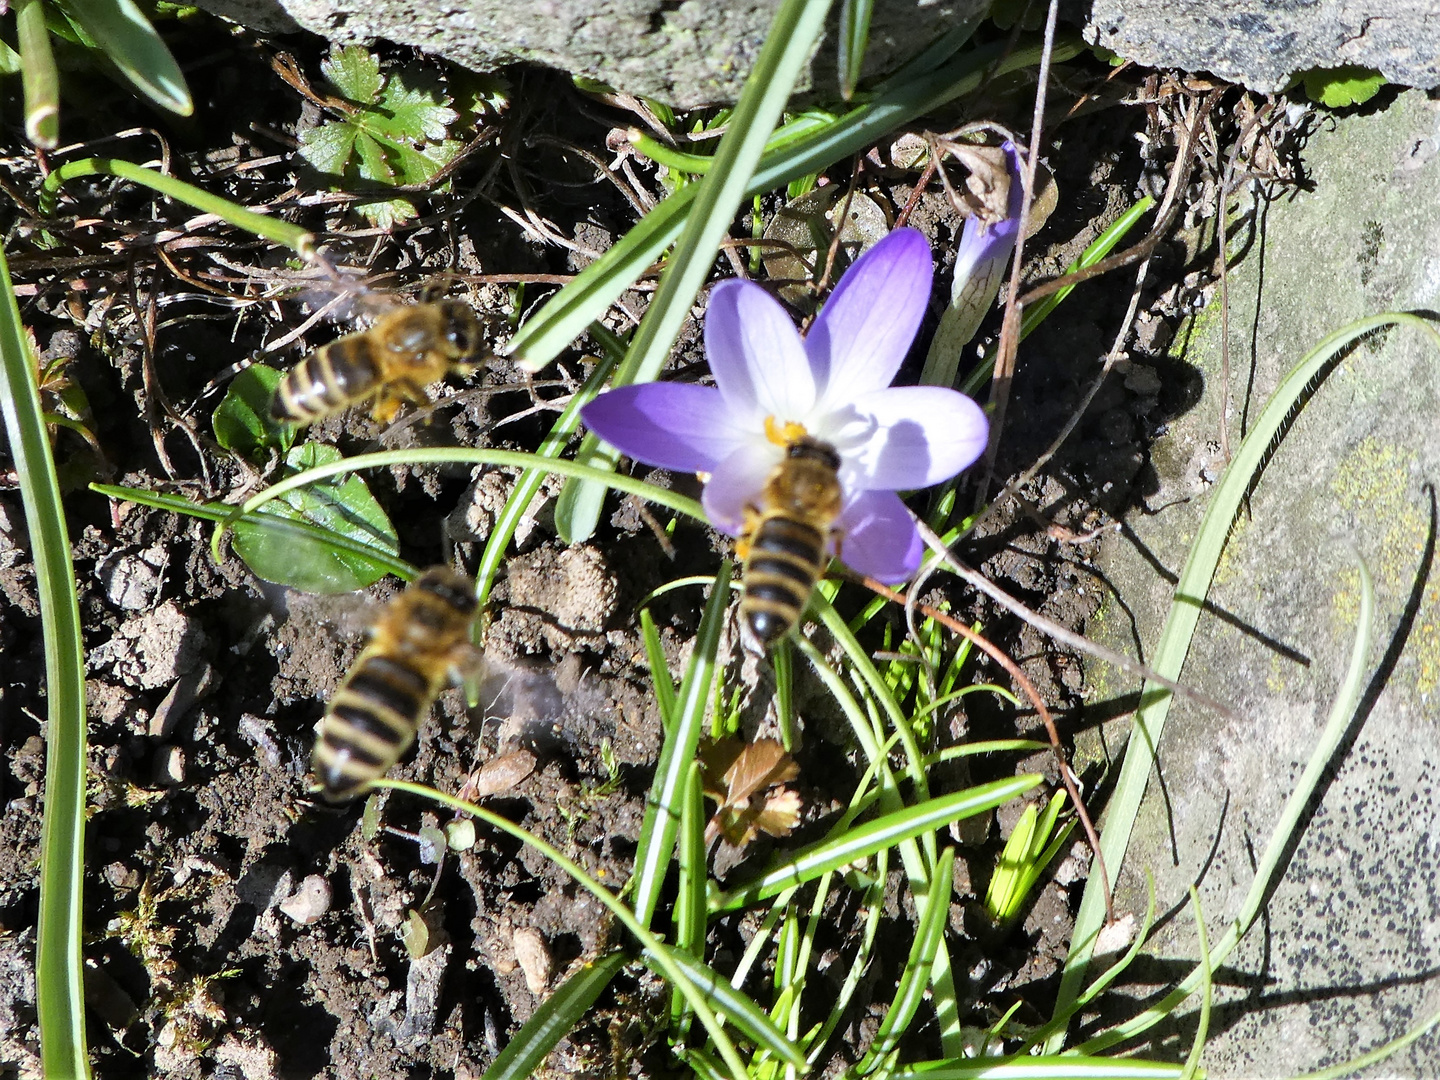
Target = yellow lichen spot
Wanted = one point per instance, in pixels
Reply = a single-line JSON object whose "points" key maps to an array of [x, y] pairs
{"points": [[783, 433], [1373, 483]]}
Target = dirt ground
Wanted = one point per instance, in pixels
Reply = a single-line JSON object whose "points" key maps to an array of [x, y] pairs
{"points": [[237, 927]]}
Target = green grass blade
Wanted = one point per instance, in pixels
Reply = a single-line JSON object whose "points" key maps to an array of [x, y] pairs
{"points": [[659, 670], [59, 988], [1347, 699], [854, 37], [865, 840], [787, 47], [554, 1019], [738, 1008], [600, 284], [263, 226], [658, 952], [528, 483], [662, 815], [127, 38], [1041, 1068], [1169, 655], [916, 976], [690, 902], [40, 80]]}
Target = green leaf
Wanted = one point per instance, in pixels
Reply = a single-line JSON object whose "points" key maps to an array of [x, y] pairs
{"points": [[9, 60], [374, 164], [386, 213], [132, 43], [854, 37], [242, 420], [413, 106], [342, 506], [355, 72], [328, 147], [1339, 87]]}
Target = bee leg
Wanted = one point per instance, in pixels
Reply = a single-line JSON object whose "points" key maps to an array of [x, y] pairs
{"points": [[386, 406], [747, 530], [395, 395], [466, 663]]}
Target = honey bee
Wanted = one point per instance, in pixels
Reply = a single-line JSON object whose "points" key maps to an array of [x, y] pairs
{"points": [[784, 547], [406, 350], [419, 642]]}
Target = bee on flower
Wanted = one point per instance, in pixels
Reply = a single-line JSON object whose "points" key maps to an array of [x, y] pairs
{"points": [[804, 441]]}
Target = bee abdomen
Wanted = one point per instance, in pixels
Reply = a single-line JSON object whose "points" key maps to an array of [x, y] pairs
{"points": [[328, 380], [371, 721], [786, 559]]}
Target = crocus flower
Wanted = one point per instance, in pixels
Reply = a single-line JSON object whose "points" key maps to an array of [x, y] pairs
{"points": [[985, 247], [834, 385]]}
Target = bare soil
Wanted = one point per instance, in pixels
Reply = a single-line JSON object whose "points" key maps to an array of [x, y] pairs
{"points": [[208, 951]]}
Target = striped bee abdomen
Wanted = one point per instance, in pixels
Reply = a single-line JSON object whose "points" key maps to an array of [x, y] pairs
{"points": [[785, 560], [369, 723], [328, 380]]}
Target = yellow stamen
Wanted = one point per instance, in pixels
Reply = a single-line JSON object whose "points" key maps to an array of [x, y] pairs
{"points": [[785, 433]]}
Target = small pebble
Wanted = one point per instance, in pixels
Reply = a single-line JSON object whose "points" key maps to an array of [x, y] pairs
{"points": [[308, 902], [170, 766], [534, 958]]}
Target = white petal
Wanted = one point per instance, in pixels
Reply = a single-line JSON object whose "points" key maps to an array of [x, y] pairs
{"points": [[756, 354], [737, 483], [923, 435]]}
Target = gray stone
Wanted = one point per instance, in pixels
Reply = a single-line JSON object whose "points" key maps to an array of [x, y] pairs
{"points": [[699, 52], [1346, 961], [687, 54], [1263, 43]]}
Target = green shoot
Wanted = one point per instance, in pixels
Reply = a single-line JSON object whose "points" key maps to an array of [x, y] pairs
{"points": [[59, 985], [126, 37], [40, 79], [1030, 849]]}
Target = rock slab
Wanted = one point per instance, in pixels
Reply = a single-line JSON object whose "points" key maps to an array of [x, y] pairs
{"points": [[1348, 957]]}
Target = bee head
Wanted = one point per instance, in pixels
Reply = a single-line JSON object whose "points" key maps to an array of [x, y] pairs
{"points": [[462, 329], [454, 588], [807, 449]]}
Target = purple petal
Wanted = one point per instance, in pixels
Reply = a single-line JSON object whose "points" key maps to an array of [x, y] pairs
{"points": [[756, 355], [674, 425], [865, 329], [736, 483], [925, 434], [984, 249], [879, 537]]}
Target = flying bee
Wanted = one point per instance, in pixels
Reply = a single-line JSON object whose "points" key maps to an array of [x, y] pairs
{"points": [[406, 350], [420, 641], [785, 545]]}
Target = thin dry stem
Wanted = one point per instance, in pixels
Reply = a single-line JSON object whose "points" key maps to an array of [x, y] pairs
{"points": [[1067, 777]]}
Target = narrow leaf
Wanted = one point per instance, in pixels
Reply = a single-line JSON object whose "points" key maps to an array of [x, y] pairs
{"points": [[738, 1007], [662, 815], [59, 984], [864, 840], [554, 1019], [128, 39]]}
